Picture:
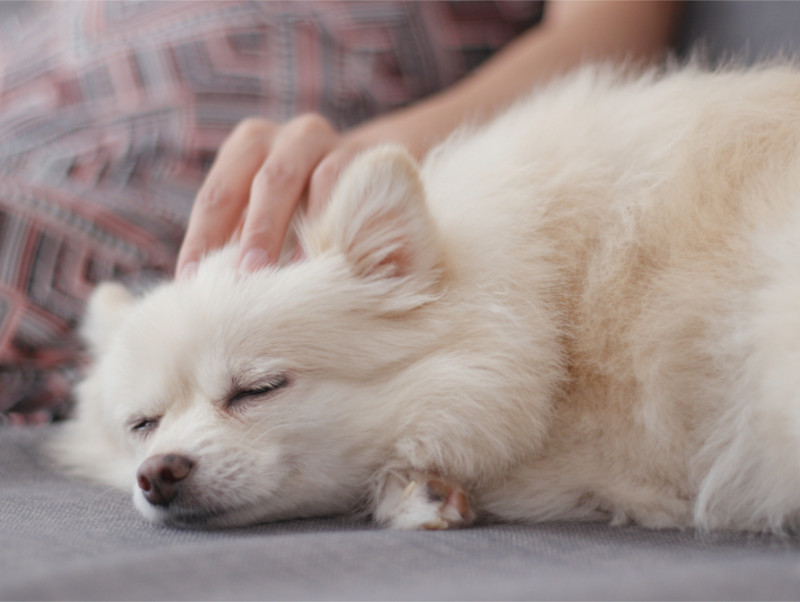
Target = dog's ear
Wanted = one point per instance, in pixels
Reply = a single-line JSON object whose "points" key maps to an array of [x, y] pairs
{"points": [[107, 307], [378, 218]]}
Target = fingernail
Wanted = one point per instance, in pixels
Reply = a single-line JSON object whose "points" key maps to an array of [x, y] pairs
{"points": [[254, 260], [187, 271]]}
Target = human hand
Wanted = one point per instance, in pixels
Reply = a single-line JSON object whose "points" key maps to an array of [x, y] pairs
{"points": [[262, 173], [264, 170]]}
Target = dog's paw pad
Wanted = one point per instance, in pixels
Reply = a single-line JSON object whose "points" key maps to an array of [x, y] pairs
{"points": [[420, 501], [454, 507]]}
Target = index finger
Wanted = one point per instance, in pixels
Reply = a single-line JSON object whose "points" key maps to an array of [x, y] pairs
{"points": [[222, 198], [279, 186]]}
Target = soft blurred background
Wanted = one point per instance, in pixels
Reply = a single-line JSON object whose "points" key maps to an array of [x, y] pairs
{"points": [[746, 29]]}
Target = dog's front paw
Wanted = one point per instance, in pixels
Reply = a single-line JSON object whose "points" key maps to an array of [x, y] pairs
{"points": [[414, 500]]}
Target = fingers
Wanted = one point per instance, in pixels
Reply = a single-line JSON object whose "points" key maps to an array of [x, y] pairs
{"points": [[223, 197], [325, 176], [279, 184], [257, 182]]}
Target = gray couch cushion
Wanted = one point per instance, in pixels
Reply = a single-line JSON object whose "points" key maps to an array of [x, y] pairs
{"points": [[64, 539], [745, 31]]}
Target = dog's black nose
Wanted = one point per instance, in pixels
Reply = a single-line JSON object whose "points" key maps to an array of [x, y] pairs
{"points": [[159, 477]]}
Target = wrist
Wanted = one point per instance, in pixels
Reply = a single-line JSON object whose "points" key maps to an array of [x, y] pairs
{"points": [[417, 128]]}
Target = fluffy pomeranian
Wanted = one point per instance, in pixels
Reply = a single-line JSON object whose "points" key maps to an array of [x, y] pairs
{"points": [[587, 309]]}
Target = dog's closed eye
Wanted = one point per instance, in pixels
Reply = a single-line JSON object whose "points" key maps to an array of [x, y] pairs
{"points": [[143, 426], [242, 396]]}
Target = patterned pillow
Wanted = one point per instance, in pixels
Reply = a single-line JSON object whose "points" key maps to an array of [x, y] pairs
{"points": [[110, 114]]}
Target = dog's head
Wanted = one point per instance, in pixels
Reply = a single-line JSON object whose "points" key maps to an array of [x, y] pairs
{"points": [[228, 398]]}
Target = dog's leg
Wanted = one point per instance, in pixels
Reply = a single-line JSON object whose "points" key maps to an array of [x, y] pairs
{"points": [[415, 500]]}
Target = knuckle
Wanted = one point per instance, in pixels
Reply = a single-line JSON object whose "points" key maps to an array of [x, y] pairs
{"points": [[311, 124], [211, 197], [258, 231], [262, 232], [250, 135], [251, 128], [276, 173]]}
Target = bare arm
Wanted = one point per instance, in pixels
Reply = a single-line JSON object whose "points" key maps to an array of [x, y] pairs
{"points": [[571, 32], [264, 169]]}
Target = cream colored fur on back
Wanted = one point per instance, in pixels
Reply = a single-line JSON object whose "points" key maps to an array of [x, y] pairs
{"points": [[589, 308]]}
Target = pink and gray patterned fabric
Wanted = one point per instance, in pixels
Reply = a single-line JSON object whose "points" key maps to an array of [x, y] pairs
{"points": [[110, 114]]}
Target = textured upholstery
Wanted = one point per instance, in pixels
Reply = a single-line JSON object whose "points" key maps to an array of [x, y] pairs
{"points": [[64, 539]]}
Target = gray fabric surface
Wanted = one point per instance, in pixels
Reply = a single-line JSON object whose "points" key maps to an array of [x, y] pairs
{"points": [[743, 31], [63, 539]]}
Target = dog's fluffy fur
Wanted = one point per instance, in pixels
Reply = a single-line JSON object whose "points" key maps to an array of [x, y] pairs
{"points": [[589, 308]]}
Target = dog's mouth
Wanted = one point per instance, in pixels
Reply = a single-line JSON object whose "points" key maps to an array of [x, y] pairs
{"points": [[205, 518], [195, 519], [189, 516]]}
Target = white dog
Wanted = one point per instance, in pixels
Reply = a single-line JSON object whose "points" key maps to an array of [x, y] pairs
{"points": [[588, 309]]}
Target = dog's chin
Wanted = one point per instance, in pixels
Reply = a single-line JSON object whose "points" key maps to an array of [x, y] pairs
{"points": [[198, 517]]}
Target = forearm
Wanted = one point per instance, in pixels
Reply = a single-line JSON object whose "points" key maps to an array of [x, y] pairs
{"points": [[264, 168], [570, 33]]}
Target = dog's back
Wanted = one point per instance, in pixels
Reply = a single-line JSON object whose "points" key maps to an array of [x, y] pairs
{"points": [[656, 220]]}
